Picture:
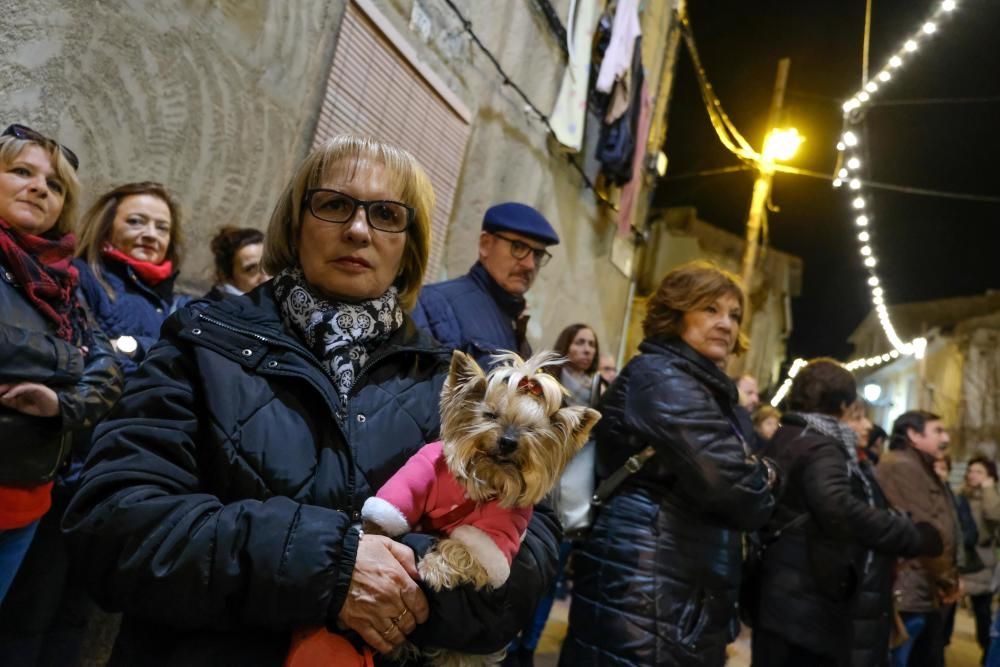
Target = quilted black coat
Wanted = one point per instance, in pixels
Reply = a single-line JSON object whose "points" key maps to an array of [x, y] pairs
{"points": [[656, 582], [813, 574], [219, 506]]}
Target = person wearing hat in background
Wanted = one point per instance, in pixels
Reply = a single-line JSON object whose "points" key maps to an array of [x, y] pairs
{"points": [[482, 312]]}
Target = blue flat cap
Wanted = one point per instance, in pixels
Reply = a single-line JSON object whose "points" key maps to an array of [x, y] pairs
{"points": [[520, 218]]}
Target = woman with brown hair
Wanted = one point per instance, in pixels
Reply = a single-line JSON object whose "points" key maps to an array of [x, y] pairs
{"points": [[578, 344], [238, 253], [129, 257], [57, 375], [656, 582]]}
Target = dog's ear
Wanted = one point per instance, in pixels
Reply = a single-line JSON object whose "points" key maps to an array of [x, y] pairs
{"points": [[464, 376], [576, 422]]}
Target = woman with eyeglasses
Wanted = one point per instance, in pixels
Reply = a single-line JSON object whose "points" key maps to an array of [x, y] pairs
{"points": [[129, 256], [220, 507], [57, 374], [238, 252]]}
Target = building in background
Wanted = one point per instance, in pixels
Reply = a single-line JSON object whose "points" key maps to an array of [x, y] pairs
{"points": [[958, 376], [220, 99]]}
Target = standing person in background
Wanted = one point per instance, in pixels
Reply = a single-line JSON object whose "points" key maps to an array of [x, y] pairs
{"points": [[58, 376], [749, 392], [966, 557], [656, 581], [129, 257], [237, 252], [749, 399], [482, 312], [924, 585], [826, 532], [578, 344], [766, 420], [980, 490], [607, 368]]}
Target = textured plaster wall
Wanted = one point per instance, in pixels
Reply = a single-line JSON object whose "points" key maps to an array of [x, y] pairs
{"points": [[215, 99], [218, 99]]}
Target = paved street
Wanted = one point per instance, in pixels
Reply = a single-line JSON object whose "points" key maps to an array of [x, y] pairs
{"points": [[963, 651]]}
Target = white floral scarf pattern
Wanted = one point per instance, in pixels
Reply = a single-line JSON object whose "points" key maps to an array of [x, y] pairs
{"points": [[342, 335]]}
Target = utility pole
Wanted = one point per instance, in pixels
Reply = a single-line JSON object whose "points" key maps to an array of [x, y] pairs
{"points": [[762, 186]]}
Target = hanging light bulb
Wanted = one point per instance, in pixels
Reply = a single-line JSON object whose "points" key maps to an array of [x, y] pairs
{"points": [[863, 96], [863, 237], [948, 5], [871, 87], [869, 262], [861, 221], [850, 138], [929, 28], [866, 250], [853, 163], [855, 184], [877, 291], [895, 61], [837, 182], [884, 76], [910, 45], [841, 145], [873, 281], [858, 203]]}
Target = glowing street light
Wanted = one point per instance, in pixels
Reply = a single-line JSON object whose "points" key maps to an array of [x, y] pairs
{"points": [[782, 144]]}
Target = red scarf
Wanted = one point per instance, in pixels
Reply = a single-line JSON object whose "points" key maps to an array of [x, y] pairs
{"points": [[44, 271], [149, 273]]}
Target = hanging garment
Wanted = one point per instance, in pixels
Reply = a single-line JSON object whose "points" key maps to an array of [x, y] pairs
{"points": [[618, 58], [570, 110], [626, 205]]}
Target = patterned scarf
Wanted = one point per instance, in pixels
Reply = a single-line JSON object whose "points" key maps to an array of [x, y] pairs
{"points": [[341, 335], [44, 271], [848, 439], [149, 273]]}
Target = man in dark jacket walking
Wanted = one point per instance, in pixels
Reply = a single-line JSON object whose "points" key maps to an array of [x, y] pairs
{"points": [[482, 312], [923, 585]]}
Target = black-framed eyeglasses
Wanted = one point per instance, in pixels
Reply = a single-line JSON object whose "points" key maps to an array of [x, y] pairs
{"points": [[25, 133], [384, 215], [520, 250]]}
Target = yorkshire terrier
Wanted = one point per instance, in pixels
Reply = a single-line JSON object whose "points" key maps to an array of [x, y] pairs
{"points": [[505, 440]]}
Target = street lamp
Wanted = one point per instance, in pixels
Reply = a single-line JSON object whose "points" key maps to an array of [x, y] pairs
{"points": [[781, 145]]}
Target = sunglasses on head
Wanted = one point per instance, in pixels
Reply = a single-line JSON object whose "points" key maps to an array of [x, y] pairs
{"points": [[27, 134]]}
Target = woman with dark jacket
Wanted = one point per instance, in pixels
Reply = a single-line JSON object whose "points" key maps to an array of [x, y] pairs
{"points": [[656, 582], [238, 252], [980, 490], [130, 255], [220, 508], [830, 531], [57, 375]]}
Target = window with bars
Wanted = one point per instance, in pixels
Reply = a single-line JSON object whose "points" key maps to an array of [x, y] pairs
{"points": [[372, 63]]}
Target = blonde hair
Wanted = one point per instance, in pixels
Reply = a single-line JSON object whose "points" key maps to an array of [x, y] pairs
{"points": [[96, 224], [405, 176], [689, 287], [11, 147]]}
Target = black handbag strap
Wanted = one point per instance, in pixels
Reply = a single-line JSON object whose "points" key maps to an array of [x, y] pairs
{"points": [[632, 465]]}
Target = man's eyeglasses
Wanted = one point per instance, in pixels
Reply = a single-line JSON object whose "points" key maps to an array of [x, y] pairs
{"points": [[27, 134], [383, 215], [520, 250]]}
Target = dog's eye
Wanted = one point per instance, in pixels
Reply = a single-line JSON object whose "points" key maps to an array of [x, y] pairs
{"points": [[489, 415]]}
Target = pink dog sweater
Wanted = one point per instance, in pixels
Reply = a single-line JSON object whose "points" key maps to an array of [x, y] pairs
{"points": [[423, 495]]}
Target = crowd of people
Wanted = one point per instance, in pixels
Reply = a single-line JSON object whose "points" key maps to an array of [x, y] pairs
{"points": [[198, 465]]}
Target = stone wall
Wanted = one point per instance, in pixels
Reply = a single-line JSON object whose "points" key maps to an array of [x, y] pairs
{"points": [[219, 99]]}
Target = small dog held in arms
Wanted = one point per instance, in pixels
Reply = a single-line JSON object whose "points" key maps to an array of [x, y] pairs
{"points": [[505, 439]]}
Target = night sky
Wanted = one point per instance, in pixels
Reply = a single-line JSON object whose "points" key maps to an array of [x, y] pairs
{"points": [[927, 247]]}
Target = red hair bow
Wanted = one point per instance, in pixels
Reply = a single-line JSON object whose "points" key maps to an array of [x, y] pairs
{"points": [[531, 386]]}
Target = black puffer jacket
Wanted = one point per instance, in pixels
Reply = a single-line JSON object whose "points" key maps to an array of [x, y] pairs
{"points": [[812, 573], [219, 506], [656, 582], [30, 351]]}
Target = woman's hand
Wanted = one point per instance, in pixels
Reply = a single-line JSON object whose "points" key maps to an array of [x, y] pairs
{"points": [[30, 398], [384, 603]]}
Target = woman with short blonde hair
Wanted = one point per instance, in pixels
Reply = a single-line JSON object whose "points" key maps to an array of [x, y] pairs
{"points": [[220, 509]]}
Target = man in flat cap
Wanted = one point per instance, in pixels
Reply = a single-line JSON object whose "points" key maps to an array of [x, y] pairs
{"points": [[482, 312]]}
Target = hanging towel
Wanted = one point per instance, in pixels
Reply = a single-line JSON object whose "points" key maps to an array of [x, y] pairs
{"points": [[569, 112], [618, 58]]}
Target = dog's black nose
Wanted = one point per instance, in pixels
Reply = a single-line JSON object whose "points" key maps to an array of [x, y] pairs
{"points": [[506, 445]]}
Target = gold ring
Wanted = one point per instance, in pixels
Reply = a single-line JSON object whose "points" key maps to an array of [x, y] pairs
{"points": [[388, 631], [401, 615]]}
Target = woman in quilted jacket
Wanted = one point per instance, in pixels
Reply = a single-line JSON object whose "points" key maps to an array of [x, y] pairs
{"points": [[656, 582], [220, 508]]}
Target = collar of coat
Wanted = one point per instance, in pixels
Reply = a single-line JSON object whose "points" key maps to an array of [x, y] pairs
{"points": [[695, 363], [256, 314]]}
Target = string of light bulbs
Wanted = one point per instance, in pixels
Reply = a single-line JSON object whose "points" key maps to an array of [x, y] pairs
{"points": [[849, 173]]}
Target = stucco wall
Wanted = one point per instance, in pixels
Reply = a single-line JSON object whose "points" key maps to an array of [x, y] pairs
{"points": [[215, 99], [218, 99]]}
